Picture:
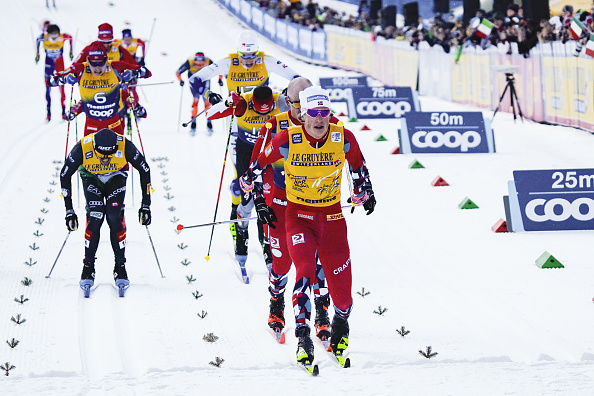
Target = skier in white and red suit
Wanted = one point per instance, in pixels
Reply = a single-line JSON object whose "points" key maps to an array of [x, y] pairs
{"points": [[314, 155]]}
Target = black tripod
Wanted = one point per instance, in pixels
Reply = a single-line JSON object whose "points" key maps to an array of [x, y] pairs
{"points": [[512, 96]]}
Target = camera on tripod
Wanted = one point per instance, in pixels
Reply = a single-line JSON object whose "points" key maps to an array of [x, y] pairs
{"points": [[509, 71]]}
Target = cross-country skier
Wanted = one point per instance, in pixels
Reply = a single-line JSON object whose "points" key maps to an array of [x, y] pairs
{"points": [[192, 65], [135, 46], [314, 155], [102, 159], [277, 199], [245, 69], [252, 110], [116, 52], [99, 83], [53, 43]]}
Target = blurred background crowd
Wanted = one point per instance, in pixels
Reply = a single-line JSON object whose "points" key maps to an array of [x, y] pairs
{"points": [[447, 30]]}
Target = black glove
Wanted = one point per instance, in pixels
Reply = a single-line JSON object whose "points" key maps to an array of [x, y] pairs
{"points": [[71, 220], [265, 212], [214, 98], [143, 72], [220, 82], [71, 116], [139, 111], [181, 83], [144, 215], [369, 205], [53, 81]]}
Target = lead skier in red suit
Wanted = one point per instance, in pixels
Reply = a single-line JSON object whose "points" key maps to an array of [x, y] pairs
{"points": [[276, 198], [314, 155]]}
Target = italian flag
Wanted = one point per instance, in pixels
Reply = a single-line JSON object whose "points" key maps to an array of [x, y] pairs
{"points": [[576, 27], [484, 29], [590, 46]]}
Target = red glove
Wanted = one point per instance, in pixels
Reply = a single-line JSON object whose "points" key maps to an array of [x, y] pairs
{"points": [[233, 99]]}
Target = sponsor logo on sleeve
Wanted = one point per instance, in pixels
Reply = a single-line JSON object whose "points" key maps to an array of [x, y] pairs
{"points": [[298, 238]]}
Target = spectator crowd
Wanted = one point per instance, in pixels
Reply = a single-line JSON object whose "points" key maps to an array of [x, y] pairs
{"points": [[484, 29]]}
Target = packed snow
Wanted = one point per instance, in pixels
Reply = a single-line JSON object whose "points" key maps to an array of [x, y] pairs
{"points": [[499, 323]]}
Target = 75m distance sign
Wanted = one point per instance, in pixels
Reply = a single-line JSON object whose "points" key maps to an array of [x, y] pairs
{"points": [[446, 132]]}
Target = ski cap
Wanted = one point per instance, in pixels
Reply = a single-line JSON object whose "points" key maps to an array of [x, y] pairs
{"points": [[97, 52], [126, 33], [248, 42], [262, 99], [314, 97], [105, 142], [200, 58], [105, 32]]}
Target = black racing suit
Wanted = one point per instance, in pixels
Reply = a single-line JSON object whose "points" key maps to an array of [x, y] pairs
{"points": [[105, 198]]}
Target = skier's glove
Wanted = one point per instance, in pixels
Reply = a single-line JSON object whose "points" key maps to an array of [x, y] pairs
{"points": [[220, 82], [71, 220], [143, 72], [139, 111], [181, 83], [246, 183], [36, 58], [365, 198], [54, 81], [144, 215], [71, 79], [214, 98], [126, 75], [233, 99], [265, 212], [74, 111]]}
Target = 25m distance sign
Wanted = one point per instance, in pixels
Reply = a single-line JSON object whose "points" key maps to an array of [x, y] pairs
{"points": [[446, 132], [556, 199]]}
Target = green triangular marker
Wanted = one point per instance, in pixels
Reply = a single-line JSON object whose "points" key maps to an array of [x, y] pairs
{"points": [[467, 204], [381, 138], [352, 119], [416, 165], [546, 260]]}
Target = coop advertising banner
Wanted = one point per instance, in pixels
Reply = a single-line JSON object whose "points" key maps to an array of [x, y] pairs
{"points": [[552, 200], [384, 102], [446, 132]]}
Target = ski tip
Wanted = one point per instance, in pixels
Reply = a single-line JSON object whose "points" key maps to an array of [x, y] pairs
{"points": [[282, 339], [347, 363], [315, 370], [180, 227]]}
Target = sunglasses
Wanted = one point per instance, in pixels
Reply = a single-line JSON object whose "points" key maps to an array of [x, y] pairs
{"points": [[318, 112], [97, 64], [296, 104], [104, 156], [248, 56]]}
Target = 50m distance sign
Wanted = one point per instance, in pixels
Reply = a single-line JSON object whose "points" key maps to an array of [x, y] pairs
{"points": [[446, 132]]}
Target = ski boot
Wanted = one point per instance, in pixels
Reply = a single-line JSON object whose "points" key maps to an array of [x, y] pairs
{"points": [[276, 317], [209, 127], [241, 244], [193, 128], [233, 226], [64, 117], [339, 338], [305, 346], [87, 278], [49, 115], [322, 322], [120, 276]]}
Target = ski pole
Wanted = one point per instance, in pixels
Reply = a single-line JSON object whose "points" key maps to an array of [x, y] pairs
{"points": [[154, 251], [68, 127], [59, 253], [77, 178], [214, 223], [181, 98], [146, 85], [220, 184], [185, 124], [148, 42]]}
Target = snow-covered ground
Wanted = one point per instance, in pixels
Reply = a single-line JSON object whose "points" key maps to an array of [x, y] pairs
{"points": [[499, 323]]}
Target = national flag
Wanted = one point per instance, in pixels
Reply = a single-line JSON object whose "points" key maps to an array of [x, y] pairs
{"points": [[576, 27], [484, 29], [590, 46]]}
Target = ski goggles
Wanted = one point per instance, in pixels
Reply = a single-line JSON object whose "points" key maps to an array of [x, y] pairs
{"points": [[248, 56], [318, 112], [104, 156], [98, 63]]}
